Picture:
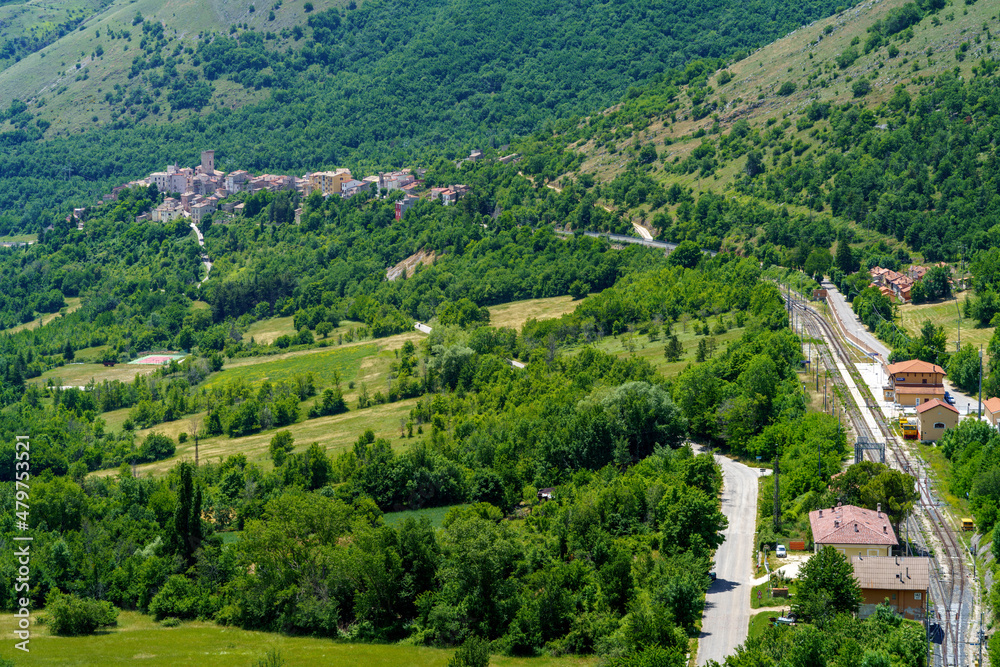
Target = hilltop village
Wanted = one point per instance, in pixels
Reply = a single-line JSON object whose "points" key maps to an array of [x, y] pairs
{"points": [[198, 192]]}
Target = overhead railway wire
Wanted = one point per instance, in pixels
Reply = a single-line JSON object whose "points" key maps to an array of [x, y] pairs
{"points": [[953, 609]]}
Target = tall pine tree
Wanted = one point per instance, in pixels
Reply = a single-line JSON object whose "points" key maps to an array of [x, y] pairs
{"points": [[845, 257], [187, 535]]}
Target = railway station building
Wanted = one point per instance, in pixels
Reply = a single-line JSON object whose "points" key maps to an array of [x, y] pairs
{"points": [[935, 418], [901, 582], [991, 410], [914, 382], [853, 531]]}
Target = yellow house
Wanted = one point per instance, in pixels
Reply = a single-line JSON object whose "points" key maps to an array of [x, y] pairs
{"points": [[853, 531], [914, 382], [328, 182], [936, 417], [991, 410]]}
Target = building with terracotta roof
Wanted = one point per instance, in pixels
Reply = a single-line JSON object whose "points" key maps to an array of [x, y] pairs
{"points": [[853, 531], [991, 410], [892, 284], [936, 417], [901, 582], [405, 204], [914, 382], [328, 182]]}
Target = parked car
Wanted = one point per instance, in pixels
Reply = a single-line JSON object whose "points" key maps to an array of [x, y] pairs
{"points": [[780, 551], [948, 398]]}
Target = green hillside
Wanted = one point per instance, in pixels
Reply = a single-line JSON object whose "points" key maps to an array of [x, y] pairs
{"points": [[356, 86], [27, 26], [879, 119], [69, 80]]}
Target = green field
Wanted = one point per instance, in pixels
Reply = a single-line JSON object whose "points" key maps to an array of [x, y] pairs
{"points": [[435, 514], [78, 375], [72, 304], [946, 314], [321, 362], [336, 433], [140, 640], [19, 238], [652, 351], [760, 622], [515, 314], [765, 596]]}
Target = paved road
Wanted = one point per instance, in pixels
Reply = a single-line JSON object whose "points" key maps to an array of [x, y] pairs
{"points": [[619, 238], [966, 404], [204, 256], [727, 605], [851, 321]]}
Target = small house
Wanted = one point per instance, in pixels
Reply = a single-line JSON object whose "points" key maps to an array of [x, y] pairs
{"points": [[991, 410], [914, 382], [935, 418], [853, 531], [901, 582]]}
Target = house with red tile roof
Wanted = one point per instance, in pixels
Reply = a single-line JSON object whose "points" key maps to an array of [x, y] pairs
{"points": [[914, 382], [853, 531], [936, 417], [901, 581], [991, 410]]}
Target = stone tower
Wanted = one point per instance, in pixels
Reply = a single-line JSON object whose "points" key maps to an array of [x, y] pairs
{"points": [[208, 162]]}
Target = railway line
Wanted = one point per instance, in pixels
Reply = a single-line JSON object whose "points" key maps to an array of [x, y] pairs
{"points": [[953, 599]]}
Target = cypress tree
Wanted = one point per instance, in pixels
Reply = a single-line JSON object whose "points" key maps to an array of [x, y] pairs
{"points": [[845, 257]]}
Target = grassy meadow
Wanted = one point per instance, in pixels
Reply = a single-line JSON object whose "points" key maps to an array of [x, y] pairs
{"points": [[946, 313], [139, 639], [19, 238], [435, 515], [79, 374], [336, 433], [72, 304], [361, 362], [652, 351], [321, 362], [515, 314]]}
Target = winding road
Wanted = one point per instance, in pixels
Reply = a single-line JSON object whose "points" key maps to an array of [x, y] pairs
{"points": [[204, 256], [727, 605], [621, 238]]}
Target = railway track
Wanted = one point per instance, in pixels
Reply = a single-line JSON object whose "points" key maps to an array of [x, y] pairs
{"points": [[953, 607]]}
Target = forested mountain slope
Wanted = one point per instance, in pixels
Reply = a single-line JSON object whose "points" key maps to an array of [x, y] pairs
{"points": [[880, 118], [355, 86]]}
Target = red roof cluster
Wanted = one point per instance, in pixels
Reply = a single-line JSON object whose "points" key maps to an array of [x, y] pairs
{"points": [[847, 524], [933, 403]]}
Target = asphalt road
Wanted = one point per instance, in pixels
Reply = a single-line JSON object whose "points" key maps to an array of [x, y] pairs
{"points": [[851, 321], [966, 404], [727, 605]]}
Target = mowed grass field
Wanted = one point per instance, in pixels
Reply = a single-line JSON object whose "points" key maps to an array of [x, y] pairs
{"points": [[435, 515], [946, 314], [72, 304], [652, 351], [336, 433], [321, 362], [140, 640], [515, 314], [78, 375]]}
